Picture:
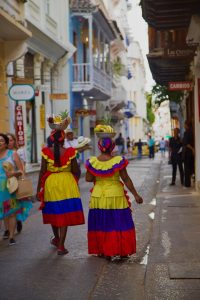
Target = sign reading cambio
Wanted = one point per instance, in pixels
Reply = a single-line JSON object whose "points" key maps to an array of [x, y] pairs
{"points": [[180, 86], [19, 127], [21, 92]]}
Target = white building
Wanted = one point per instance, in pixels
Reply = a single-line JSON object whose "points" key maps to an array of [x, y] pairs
{"points": [[136, 92]]}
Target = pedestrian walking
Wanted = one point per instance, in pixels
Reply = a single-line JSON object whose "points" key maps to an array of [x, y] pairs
{"points": [[10, 207], [111, 230], [21, 152], [70, 140], [129, 146], [151, 144], [57, 187], [139, 147], [162, 147], [188, 153], [175, 150], [120, 143]]}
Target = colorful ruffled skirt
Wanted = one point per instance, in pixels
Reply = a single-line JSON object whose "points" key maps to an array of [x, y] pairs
{"points": [[62, 203], [111, 230], [10, 205]]}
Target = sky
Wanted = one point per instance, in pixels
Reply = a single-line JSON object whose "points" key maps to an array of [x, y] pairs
{"points": [[139, 30]]}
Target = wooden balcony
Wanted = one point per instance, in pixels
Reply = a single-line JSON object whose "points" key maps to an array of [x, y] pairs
{"points": [[169, 14]]}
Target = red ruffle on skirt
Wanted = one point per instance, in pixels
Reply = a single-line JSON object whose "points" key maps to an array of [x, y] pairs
{"points": [[112, 243], [65, 219]]}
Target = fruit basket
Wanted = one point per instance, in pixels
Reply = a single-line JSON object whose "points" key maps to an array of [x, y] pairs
{"points": [[59, 122], [62, 125], [105, 134]]}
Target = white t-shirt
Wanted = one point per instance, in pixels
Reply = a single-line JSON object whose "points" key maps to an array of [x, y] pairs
{"points": [[162, 144], [22, 154], [73, 143]]}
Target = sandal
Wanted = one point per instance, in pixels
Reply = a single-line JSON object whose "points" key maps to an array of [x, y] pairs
{"points": [[62, 251], [54, 241]]}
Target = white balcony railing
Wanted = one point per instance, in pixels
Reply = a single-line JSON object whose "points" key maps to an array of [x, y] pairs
{"points": [[81, 73], [86, 78]]}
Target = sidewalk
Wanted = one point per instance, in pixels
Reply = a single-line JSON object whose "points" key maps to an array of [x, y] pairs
{"points": [[173, 269]]}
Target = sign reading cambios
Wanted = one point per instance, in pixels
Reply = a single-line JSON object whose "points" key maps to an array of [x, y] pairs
{"points": [[19, 126], [21, 92], [180, 86]]}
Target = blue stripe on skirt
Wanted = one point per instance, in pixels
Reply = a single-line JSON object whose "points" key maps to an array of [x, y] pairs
{"points": [[110, 220], [62, 206]]}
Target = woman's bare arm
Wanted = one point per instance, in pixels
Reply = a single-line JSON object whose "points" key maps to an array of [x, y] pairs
{"points": [[129, 184], [75, 169], [43, 169], [19, 166], [89, 177]]}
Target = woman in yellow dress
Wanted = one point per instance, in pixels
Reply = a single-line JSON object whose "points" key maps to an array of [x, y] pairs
{"points": [[111, 230], [58, 190]]}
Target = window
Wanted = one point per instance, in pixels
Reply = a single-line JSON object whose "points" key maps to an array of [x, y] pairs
{"points": [[47, 8]]}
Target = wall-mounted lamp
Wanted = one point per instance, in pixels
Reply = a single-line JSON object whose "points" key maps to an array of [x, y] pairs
{"points": [[107, 109]]}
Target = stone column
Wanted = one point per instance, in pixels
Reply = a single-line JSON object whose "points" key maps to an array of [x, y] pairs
{"points": [[196, 73], [4, 109], [20, 74], [48, 65], [38, 59], [86, 127]]}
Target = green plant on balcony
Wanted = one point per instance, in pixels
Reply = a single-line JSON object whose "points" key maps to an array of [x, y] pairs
{"points": [[117, 67]]}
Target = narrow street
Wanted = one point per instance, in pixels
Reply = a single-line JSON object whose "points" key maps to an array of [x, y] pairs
{"points": [[32, 270]]}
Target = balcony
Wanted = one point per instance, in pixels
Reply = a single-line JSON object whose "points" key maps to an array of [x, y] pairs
{"points": [[93, 82], [11, 29], [169, 56], [164, 14]]}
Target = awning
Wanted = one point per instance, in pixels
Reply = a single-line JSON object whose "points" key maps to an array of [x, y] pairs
{"points": [[130, 110], [117, 116], [12, 30], [117, 105]]}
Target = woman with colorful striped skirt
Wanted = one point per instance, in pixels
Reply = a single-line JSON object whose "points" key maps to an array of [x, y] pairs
{"points": [[58, 190], [111, 230]]}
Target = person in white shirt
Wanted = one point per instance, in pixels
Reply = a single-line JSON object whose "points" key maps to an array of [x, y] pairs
{"points": [[162, 147], [70, 141]]}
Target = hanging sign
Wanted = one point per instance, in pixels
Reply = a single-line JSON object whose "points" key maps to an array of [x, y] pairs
{"points": [[180, 86], [20, 80], [179, 52], [62, 96], [42, 116], [19, 126], [85, 112], [21, 92], [199, 98]]}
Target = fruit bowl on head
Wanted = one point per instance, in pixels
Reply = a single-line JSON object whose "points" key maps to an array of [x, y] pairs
{"points": [[102, 135], [60, 126]]}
